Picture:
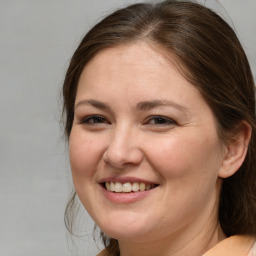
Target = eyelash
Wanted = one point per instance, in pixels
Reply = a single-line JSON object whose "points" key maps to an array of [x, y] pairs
{"points": [[158, 120], [162, 121], [94, 119]]}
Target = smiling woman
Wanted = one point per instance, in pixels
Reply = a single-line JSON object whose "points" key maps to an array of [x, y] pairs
{"points": [[160, 118]]}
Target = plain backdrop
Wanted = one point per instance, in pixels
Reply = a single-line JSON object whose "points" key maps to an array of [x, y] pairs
{"points": [[37, 39]]}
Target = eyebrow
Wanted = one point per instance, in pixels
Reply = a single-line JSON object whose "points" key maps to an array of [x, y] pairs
{"points": [[94, 103], [141, 106], [147, 105]]}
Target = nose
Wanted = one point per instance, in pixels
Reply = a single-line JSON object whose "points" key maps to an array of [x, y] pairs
{"points": [[123, 149]]}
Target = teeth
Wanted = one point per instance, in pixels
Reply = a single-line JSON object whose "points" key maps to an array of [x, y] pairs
{"points": [[127, 187], [147, 187], [135, 186], [108, 187], [143, 186], [112, 186], [118, 187]]}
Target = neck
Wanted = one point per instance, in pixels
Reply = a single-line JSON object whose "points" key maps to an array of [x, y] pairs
{"points": [[177, 245], [194, 239]]}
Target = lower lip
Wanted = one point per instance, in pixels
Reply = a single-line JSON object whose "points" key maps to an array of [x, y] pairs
{"points": [[126, 198]]}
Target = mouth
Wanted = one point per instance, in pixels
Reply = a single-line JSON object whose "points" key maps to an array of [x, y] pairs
{"points": [[127, 187]]}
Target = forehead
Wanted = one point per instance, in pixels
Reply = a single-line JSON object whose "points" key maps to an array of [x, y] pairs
{"points": [[138, 52], [135, 63]]}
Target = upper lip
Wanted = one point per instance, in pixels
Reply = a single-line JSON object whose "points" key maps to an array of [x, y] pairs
{"points": [[126, 179]]}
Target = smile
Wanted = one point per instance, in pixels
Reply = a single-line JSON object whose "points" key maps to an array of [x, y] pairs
{"points": [[127, 187]]}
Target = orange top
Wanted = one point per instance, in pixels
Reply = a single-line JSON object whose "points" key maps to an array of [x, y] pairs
{"points": [[234, 245]]}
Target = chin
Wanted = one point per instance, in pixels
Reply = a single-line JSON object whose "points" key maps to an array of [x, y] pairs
{"points": [[125, 234], [126, 231]]}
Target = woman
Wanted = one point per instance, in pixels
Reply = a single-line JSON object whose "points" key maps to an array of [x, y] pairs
{"points": [[160, 117]]}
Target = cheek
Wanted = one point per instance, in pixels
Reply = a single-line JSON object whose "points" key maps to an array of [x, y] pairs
{"points": [[189, 170], [186, 156], [84, 155]]}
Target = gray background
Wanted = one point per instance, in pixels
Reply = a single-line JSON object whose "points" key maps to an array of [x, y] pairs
{"points": [[37, 39]]}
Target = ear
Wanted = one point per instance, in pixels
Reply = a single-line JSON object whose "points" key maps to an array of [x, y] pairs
{"points": [[235, 150]]}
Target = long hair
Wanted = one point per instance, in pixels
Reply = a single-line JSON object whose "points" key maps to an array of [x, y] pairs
{"points": [[210, 56]]}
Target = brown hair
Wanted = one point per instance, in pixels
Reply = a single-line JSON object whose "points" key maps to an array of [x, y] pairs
{"points": [[211, 57]]}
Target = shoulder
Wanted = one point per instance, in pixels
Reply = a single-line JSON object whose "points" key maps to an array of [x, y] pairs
{"points": [[235, 246], [253, 250]]}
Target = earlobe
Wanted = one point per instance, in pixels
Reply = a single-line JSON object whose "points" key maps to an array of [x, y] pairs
{"points": [[236, 150]]}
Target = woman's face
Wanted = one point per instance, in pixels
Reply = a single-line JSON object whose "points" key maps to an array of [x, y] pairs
{"points": [[139, 125]]}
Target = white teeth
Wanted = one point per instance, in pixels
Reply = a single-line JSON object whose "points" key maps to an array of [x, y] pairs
{"points": [[127, 187], [112, 186], [118, 187], [135, 186], [143, 186]]}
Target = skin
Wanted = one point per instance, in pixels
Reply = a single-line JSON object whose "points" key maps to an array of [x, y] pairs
{"points": [[179, 150]]}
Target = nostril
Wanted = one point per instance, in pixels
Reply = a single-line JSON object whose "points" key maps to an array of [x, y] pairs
{"points": [[120, 159], [122, 150]]}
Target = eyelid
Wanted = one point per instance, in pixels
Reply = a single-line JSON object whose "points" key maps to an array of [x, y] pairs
{"points": [[168, 120], [86, 119]]}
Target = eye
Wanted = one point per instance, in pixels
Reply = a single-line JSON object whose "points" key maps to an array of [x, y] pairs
{"points": [[94, 119], [160, 120]]}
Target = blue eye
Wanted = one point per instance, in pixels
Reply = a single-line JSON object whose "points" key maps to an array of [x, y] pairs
{"points": [[160, 120], [95, 119]]}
